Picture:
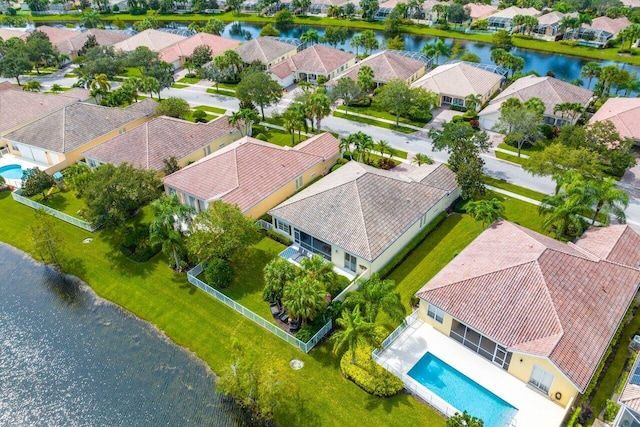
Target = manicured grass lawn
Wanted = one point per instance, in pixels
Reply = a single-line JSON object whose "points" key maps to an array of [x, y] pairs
{"points": [[277, 136], [179, 86], [223, 92], [373, 112], [189, 317], [513, 188], [189, 117], [215, 110], [63, 201], [399, 153], [535, 149], [189, 80], [519, 212], [375, 157], [131, 72], [372, 122], [248, 283], [511, 158]]}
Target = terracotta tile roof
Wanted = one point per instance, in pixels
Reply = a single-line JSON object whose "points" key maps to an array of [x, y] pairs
{"points": [[624, 113], [631, 396], [317, 59], [321, 145], [6, 34], [604, 23], [57, 35], [184, 48], [631, 3], [386, 65], [17, 106], [103, 38], [245, 172], [147, 145], [549, 90], [459, 80], [512, 11], [533, 294], [361, 209], [553, 17], [479, 11], [155, 40], [72, 126], [427, 5], [616, 243], [6, 85], [264, 49]]}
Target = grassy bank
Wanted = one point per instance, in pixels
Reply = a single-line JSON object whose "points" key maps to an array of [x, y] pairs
{"points": [[609, 54], [192, 319]]}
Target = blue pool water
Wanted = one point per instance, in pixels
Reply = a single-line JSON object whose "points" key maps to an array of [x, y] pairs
{"points": [[11, 171], [461, 392]]}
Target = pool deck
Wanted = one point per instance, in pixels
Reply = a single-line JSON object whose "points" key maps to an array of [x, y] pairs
{"points": [[534, 409], [10, 159]]}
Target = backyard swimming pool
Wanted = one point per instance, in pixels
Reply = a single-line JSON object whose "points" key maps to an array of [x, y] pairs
{"points": [[461, 392], [11, 171]]}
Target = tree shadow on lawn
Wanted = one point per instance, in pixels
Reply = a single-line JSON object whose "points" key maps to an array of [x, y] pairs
{"points": [[128, 267], [74, 266], [56, 201], [388, 403], [248, 278]]}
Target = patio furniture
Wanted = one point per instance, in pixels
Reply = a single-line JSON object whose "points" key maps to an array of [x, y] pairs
{"points": [[275, 309], [294, 325], [284, 316]]}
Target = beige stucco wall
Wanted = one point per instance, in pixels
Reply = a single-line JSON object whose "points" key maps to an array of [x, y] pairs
{"points": [[214, 145], [444, 327], [522, 371], [283, 57]]}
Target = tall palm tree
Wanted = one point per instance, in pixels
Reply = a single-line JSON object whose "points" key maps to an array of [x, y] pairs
{"points": [[564, 215], [375, 295], [485, 211], [170, 222], [345, 147], [384, 147], [422, 159], [589, 71], [247, 117], [436, 50], [277, 274], [354, 332], [608, 199], [365, 78], [318, 270], [473, 101], [310, 37], [303, 298], [318, 105]]}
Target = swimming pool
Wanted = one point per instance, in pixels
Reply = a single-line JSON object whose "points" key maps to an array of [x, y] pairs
{"points": [[461, 392], [11, 171]]}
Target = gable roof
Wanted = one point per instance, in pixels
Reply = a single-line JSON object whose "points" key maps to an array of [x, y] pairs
{"points": [[184, 48], [512, 11], [624, 113], [536, 295], [458, 79], [318, 59], [6, 34], [549, 90], [610, 25], [55, 34], [17, 106], [364, 210], [616, 243], [264, 49], [553, 17], [249, 170], [386, 65], [72, 126], [479, 10], [103, 38], [155, 40], [147, 145]]}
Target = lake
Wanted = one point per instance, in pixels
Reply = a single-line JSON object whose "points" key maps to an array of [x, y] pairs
{"points": [[70, 358]]}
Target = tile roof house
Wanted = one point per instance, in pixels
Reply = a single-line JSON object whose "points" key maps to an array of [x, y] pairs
{"points": [[178, 53], [147, 145], [387, 65], [266, 50], [18, 108], [359, 217], [455, 81], [549, 25], [503, 19], [549, 90], [543, 310], [599, 32], [155, 40], [59, 138], [311, 63], [478, 11], [624, 113], [253, 174], [57, 35], [6, 34], [72, 46]]}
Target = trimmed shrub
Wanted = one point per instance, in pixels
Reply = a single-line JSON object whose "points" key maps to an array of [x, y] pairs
{"points": [[261, 136], [457, 118], [136, 245], [335, 167], [199, 116], [574, 417], [611, 410], [218, 273], [368, 375], [274, 235], [342, 161], [386, 163], [305, 333]]}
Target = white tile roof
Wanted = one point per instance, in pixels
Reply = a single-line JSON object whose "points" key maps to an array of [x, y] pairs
{"points": [[458, 80]]}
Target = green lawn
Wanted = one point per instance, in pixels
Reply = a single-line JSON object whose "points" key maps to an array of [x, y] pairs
{"points": [[511, 158], [374, 112], [372, 122], [193, 319], [277, 136], [215, 110], [513, 188], [179, 86], [189, 80], [535, 149], [131, 72], [519, 212], [375, 157], [189, 117], [63, 201], [223, 92]]}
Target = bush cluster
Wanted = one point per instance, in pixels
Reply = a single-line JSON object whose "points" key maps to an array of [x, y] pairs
{"points": [[368, 375], [218, 273], [274, 235]]}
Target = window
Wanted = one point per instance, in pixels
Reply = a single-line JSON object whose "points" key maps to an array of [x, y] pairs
{"points": [[201, 205], [435, 313], [350, 262], [283, 226], [14, 146], [172, 191], [541, 379], [446, 99], [92, 163], [424, 220], [206, 150], [299, 183]]}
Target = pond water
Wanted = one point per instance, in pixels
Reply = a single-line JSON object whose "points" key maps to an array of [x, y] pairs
{"points": [[69, 358]]}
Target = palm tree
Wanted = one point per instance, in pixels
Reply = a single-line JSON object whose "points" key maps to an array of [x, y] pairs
{"points": [[375, 295], [277, 274], [100, 81], [362, 144], [55, 88], [32, 86], [473, 101], [289, 123], [318, 270], [420, 159], [485, 211], [608, 199], [246, 116], [568, 23], [365, 78], [303, 298], [384, 147], [354, 332], [436, 49], [589, 71], [170, 222], [345, 147], [318, 105], [310, 37]]}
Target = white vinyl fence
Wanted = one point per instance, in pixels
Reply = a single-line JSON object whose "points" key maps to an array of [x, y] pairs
{"points": [[18, 197]]}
